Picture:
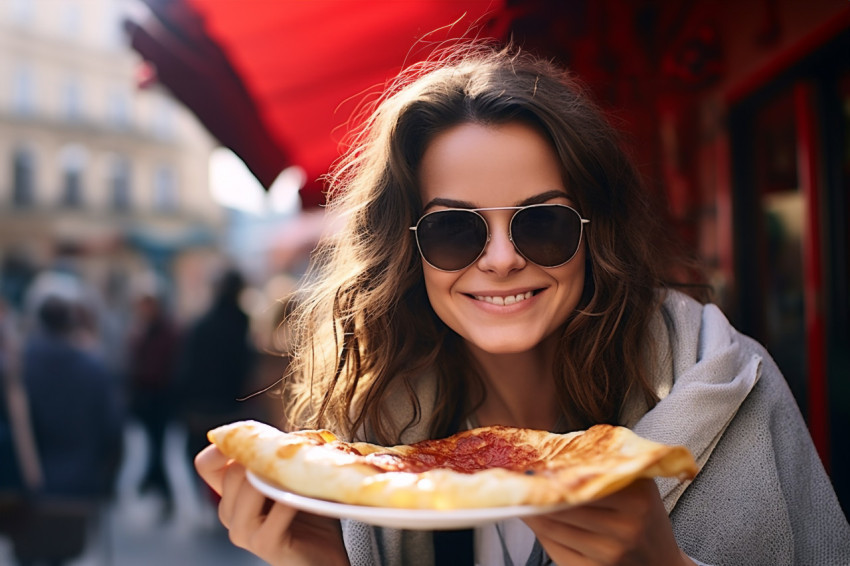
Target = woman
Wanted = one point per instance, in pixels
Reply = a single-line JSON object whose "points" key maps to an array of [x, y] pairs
{"points": [[500, 264]]}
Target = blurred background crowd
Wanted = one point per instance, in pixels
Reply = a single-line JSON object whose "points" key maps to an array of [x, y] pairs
{"points": [[154, 218], [114, 409]]}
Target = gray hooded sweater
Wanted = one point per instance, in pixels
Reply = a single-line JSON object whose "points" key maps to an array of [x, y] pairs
{"points": [[761, 497]]}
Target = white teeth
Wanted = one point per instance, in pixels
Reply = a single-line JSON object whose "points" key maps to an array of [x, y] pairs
{"points": [[509, 300]]}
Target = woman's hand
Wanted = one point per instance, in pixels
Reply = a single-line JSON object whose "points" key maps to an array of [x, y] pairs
{"points": [[274, 532], [627, 528]]}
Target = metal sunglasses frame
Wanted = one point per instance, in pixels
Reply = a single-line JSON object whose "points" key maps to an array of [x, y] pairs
{"points": [[516, 209]]}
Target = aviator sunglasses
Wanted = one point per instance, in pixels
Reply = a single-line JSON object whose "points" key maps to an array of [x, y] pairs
{"points": [[454, 238]]}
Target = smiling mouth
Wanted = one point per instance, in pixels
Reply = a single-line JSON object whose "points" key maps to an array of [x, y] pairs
{"points": [[508, 300]]}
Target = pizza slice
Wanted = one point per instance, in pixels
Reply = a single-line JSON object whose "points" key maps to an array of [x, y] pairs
{"points": [[490, 466]]}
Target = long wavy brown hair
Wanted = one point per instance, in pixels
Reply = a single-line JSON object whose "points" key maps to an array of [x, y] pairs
{"points": [[364, 325]]}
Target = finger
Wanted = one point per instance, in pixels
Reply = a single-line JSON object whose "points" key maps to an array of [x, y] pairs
{"points": [[279, 517], [273, 530], [588, 518], [231, 492], [559, 549], [569, 544], [641, 489], [623, 515], [613, 513], [246, 513], [210, 464]]}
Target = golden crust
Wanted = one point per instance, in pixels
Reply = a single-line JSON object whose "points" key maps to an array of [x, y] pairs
{"points": [[484, 467]]}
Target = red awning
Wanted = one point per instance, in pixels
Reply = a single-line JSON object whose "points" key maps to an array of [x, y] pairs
{"points": [[278, 81]]}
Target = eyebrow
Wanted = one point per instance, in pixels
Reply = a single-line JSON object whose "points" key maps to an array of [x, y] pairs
{"points": [[536, 199]]}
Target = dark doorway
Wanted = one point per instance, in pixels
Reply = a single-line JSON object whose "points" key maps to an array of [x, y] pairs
{"points": [[791, 176]]}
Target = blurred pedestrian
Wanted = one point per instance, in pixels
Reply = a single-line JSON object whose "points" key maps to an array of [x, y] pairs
{"points": [[16, 274], [11, 476], [64, 277], [216, 363], [153, 347], [76, 418], [75, 406]]}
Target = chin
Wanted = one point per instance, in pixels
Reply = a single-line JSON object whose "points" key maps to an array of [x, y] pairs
{"points": [[503, 347]]}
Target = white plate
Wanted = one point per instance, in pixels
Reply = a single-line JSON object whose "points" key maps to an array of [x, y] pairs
{"points": [[413, 519]]}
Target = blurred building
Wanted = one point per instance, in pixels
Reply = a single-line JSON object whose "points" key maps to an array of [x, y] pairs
{"points": [[93, 160]]}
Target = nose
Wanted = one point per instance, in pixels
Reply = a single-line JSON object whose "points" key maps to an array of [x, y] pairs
{"points": [[500, 255]]}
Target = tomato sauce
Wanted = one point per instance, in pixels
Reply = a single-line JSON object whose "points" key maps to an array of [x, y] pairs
{"points": [[467, 454]]}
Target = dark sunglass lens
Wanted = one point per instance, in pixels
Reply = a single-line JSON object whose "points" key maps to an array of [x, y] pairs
{"points": [[547, 235], [451, 239]]}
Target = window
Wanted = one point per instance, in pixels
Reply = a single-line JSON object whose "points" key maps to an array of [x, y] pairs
{"points": [[23, 91], [23, 12], [72, 100], [119, 182], [113, 29], [72, 160], [71, 19], [165, 189], [163, 119], [23, 177], [118, 109]]}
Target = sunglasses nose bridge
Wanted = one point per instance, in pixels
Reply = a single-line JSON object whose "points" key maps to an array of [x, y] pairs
{"points": [[496, 223], [500, 227]]}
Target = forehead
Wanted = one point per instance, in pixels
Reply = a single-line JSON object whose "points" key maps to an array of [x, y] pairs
{"points": [[489, 165]]}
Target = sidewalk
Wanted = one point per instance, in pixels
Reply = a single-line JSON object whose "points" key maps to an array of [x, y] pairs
{"points": [[132, 534]]}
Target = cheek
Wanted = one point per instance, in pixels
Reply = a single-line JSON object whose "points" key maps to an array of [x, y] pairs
{"points": [[577, 271], [571, 278], [435, 281], [438, 286]]}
